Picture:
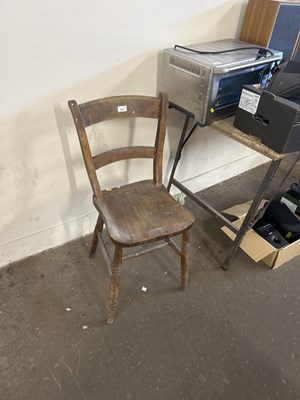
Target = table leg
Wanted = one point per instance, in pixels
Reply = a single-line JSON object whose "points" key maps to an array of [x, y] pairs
{"points": [[179, 149], [252, 212]]}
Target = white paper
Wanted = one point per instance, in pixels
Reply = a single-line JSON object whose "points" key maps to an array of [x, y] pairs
{"points": [[122, 108], [289, 204], [249, 101]]}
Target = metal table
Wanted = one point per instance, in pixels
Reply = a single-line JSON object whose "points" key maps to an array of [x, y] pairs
{"points": [[225, 126]]}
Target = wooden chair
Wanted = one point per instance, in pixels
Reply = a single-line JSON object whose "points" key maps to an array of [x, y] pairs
{"points": [[137, 213]]}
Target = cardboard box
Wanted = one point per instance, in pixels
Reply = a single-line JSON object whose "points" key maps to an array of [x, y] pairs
{"points": [[273, 119], [255, 246]]}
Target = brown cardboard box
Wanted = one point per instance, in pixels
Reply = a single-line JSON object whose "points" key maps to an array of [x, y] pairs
{"points": [[255, 246]]}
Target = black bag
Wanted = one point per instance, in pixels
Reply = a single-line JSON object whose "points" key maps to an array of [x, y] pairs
{"points": [[283, 219]]}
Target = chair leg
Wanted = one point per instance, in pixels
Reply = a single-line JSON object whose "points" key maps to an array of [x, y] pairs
{"points": [[184, 258], [95, 240], [115, 283]]}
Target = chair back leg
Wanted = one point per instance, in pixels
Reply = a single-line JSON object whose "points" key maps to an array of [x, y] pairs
{"points": [[95, 240], [115, 283], [185, 258]]}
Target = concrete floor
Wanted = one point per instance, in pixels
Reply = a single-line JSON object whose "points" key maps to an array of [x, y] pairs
{"points": [[230, 335]]}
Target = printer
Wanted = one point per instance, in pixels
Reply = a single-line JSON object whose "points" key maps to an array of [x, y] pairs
{"points": [[273, 114]]}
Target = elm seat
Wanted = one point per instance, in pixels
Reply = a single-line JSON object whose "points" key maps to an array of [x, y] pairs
{"points": [[154, 214], [139, 213]]}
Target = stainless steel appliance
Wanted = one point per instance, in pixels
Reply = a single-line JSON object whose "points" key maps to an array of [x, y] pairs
{"points": [[209, 85]]}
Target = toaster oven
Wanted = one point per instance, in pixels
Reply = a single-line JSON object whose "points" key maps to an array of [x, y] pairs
{"points": [[206, 79]]}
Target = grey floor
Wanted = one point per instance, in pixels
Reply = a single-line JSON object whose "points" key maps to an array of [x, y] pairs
{"points": [[230, 335]]}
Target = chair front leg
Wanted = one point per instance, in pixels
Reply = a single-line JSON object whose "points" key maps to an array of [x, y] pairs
{"points": [[115, 283], [185, 258], [95, 240]]}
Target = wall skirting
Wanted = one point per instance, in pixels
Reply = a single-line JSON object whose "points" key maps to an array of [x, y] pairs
{"points": [[223, 173], [47, 239], [70, 230]]}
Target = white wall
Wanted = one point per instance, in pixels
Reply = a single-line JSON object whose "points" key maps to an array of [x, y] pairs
{"points": [[62, 49]]}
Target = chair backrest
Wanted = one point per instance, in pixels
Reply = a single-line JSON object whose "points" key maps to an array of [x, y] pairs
{"points": [[96, 111]]}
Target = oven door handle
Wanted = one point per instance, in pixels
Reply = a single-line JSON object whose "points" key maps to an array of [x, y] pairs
{"points": [[250, 64]]}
